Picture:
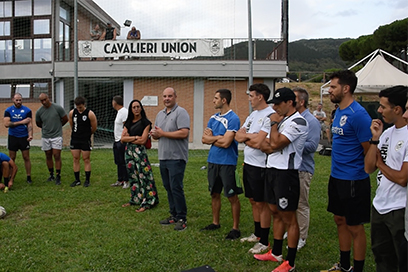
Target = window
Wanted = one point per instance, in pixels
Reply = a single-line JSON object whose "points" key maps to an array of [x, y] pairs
{"points": [[24, 89], [22, 8], [64, 14], [22, 27], [42, 49], [5, 90], [5, 9], [39, 87], [41, 26], [6, 51], [5, 28], [23, 50], [42, 7]]}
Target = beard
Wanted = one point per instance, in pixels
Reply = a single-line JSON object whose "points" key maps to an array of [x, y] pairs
{"points": [[336, 98]]}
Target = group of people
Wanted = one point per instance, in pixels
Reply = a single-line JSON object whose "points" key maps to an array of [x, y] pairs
{"points": [[110, 33], [280, 142]]}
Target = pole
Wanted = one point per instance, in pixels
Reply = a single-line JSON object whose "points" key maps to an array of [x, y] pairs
{"points": [[250, 51], [75, 48]]}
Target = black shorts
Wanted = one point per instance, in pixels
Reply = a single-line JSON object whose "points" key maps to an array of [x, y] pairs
{"points": [[282, 188], [223, 176], [81, 145], [351, 199], [254, 182], [16, 143]]}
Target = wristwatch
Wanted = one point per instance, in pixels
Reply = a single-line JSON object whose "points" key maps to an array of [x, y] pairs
{"points": [[374, 142], [273, 123]]}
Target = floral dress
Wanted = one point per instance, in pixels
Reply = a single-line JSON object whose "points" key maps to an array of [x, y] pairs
{"points": [[143, 190]]}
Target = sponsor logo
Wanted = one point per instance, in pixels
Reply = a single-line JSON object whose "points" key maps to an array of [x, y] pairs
{"points": [[283, 203], [343, 120], [86, 48], [215, 47], [399, 145]]}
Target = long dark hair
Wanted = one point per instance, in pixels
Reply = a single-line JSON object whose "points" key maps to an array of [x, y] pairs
{"points": [[130, 116]]}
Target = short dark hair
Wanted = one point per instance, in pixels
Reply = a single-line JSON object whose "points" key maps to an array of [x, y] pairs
{"points": [[302, 95], [118, 99], [79, 100], [261, 89], [225, 93], [346, 77], [397, 95]]}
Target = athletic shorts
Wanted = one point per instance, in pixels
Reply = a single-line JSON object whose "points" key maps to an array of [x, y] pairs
{"points": [[282, 188], [18, 143], [81, 145], [350, 199], [223, 176], [51, 143], [254, 182]]}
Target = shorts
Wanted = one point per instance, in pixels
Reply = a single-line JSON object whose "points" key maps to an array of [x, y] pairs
{"points": [[223, 176], [18, 143], [254, 182], [81, 145], [51, 143], [323, 126], [282, 188], [350, 199]]}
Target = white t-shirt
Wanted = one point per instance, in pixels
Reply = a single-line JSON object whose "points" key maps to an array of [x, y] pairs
{"points": [[321, 113], [121, 117], [257, 121], [394, 151], [295, 128]]}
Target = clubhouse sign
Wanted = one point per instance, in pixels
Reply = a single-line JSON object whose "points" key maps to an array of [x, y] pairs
{"points": [[151, 48]]}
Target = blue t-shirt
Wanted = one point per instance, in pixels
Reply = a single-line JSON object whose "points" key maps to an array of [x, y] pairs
{"points": [[16, 115], [220, 124], [351, 127], [4, 157]]}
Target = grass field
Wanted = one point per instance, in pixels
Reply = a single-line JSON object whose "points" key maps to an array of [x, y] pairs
{"points": [[59, 228]]}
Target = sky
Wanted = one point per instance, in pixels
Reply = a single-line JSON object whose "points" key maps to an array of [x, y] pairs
{"points": [[308, 19]]}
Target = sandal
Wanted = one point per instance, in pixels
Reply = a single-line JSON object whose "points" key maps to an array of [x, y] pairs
{"points": [[126, 205]]}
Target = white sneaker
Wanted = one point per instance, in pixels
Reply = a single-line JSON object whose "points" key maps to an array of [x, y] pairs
{"points": [[117, 184], [251, 238], [125, 185], [258, 248], [301, 243]]}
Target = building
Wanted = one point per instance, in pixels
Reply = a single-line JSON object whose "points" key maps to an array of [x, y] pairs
{"points": [[36, 55]]}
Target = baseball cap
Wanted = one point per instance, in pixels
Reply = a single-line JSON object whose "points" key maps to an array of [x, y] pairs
{"points": [[108, 23], [282, 95]]}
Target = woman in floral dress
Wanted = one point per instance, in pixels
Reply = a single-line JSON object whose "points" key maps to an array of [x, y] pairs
{"points": [[135, 133]]}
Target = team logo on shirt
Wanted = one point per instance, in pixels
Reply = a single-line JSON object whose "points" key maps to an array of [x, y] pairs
{"points": [[84, 118], [399, 145], [260, 120], [343, 120], [283, 203]]}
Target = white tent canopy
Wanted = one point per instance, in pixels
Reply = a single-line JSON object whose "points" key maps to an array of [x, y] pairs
{"points": [[376, 75]]}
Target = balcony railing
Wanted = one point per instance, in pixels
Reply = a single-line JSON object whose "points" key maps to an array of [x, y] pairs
{"points": [[183, 49]]}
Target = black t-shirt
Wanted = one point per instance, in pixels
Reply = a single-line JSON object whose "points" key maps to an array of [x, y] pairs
{"points": [[137, 128]]}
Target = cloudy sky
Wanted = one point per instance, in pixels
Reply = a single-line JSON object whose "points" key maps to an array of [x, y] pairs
{"points": [[308, 19]]}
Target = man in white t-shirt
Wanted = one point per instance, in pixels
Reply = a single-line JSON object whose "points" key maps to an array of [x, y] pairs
{"points": [[403, 264], [389, 153], [321, 117], [118, 146], [253, 132]]}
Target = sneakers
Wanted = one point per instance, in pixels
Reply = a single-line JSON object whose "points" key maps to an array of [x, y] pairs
{"points": [[211, 226], [258, 248], [125, 185], [337, 268], [301, 243], [181, 225], [87, 183], [58, 180], [269, 256], [233, 234], [251, 238], [51, 178], [117, 184], [284, 267], [168, 221], [75, 183]]}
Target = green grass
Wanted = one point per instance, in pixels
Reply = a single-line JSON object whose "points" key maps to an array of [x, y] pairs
{"points": [[59, 228]]}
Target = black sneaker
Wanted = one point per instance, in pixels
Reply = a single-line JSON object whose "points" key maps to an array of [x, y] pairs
{"points": [[51, 178], [181, 225], [29, 181], [211, 226], [233, 234], [58, 180], [86, 184], [168, 221], [75, 183]]}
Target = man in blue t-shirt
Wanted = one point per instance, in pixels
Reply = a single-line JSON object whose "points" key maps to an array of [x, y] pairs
{"points": [[222, 161], [8, 170], [18, 120], [349, 185]]}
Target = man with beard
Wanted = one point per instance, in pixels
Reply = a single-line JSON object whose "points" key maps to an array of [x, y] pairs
{"points": [[18, 119], [349, 185]]}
